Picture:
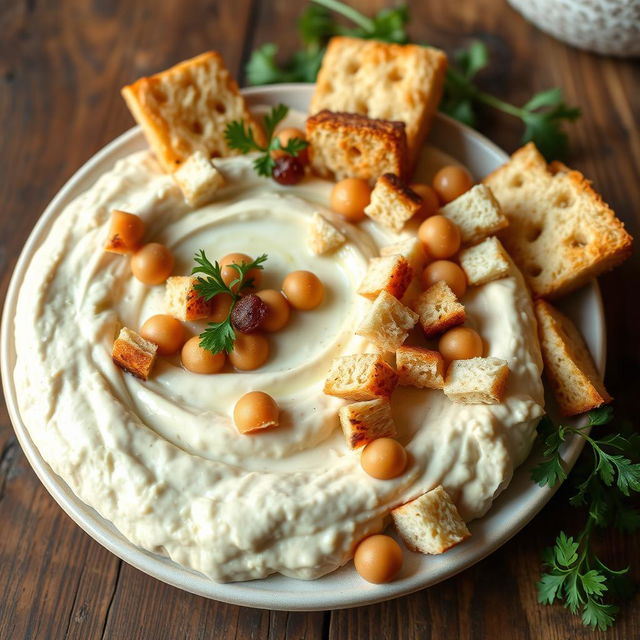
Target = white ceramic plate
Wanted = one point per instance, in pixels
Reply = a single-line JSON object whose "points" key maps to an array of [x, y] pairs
{"points": [[512, 510]]}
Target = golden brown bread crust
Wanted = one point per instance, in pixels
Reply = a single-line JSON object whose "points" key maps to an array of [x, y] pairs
{"points": [[185, 109], [568, 366], [406, 359], [561, 232], [381, 381], [350, 145], [404, 189], [132, 358], [363, 422], [396, 282]]}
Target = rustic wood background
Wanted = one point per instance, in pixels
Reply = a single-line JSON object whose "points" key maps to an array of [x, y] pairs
{"points": [[61, 66]]}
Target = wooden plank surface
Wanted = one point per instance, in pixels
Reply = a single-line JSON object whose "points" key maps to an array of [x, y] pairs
{"points": [[61, 65]]}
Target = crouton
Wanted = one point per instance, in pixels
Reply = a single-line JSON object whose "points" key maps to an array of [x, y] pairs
{"points": [[187, 108], [561, 233], [411, 249], [365, 421], [477, 214], [573, 377], [381, 80], [346, 145], [125, 232], [183, 302], [485, 262], [133, 353], [389, 273], [477, 380], [418, 367], [323, 237], [392, 202], [387, 323], [360, 377], [431, 523], [438, 309], [198, 179]]}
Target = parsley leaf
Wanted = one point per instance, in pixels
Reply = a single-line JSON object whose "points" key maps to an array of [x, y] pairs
{"points": [[604, 478], [220, 336], [240, 137]]}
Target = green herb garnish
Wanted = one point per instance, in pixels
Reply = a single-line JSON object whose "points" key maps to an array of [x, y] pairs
{"points": [[573, 572], [240, 137], [220, 336], [542, 116]]}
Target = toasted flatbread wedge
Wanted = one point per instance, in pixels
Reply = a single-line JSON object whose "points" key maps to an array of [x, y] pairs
{"points": [[561, 233], [187, 108], [381, 80]]}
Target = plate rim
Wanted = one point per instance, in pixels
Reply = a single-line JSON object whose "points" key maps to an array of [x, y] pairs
{"points": [[161, 568]]}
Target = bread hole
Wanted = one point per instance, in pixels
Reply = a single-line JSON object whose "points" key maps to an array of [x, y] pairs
{"points": [[215, 154], [563, 200], [159, 95], [533, 233], [516, 181], [220, 108], [534, 270], [196, 127], [362, 107], [352, 68], [395, 76], [354, 152], [578, 241]]}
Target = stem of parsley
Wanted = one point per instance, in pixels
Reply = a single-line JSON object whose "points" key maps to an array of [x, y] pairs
{"points": [[348, 12]]}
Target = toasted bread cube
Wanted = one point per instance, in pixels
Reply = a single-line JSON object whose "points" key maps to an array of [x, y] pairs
{"points": [[411, 249], [431, 523], [419, 367], [382, 80], [323, 237], [360, 377], [438, 309], [389, 273], [346, 145], [183, 302], [387, 323], [574, 379], [477, 380], [133, 228], [485, 262], [133, 353], [561, 233], [477, 214], [365, 421], [392, 202], [187, 108], [198, 180]]}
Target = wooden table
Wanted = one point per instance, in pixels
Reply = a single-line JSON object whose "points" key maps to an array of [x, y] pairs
{"points": [[61, 66]]}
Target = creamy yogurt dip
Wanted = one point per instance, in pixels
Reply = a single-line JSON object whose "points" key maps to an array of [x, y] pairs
{"points": [[162, 459]]}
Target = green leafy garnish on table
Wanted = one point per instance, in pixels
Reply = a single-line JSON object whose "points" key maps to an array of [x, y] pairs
{"points": [[220, 336], [573, 572], [543, 115], [240, 136]]}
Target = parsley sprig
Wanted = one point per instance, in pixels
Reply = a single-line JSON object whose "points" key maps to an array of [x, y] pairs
{"points": [[220, 336], [543, 116], [574, 573], [240, 137]]}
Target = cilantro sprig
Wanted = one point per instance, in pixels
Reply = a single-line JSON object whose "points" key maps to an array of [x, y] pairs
{"points": [[543, 115], [220, 336], [573, 572], [240, 137]]}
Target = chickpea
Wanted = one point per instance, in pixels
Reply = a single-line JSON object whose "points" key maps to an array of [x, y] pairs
{"points": [[125, 233], [378, 559], [384, 458], [303, 289], [279, 311], [440, 237], [152, 264], [165, 331], [199, 360], [448, 271], [460, 343], [256, 410], [220, 305], [430, 202], [250, 351], [284, 135], [349, 198], [451, 182], [229, 274]]}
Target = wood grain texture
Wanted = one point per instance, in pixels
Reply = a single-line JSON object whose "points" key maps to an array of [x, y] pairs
{"points": [[61, 65]]}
